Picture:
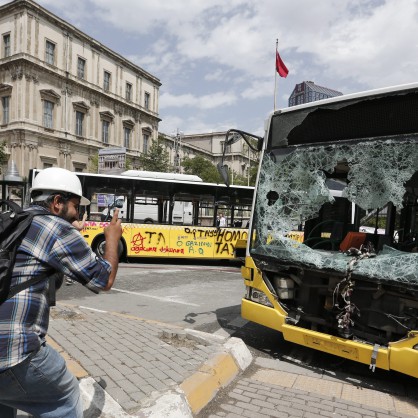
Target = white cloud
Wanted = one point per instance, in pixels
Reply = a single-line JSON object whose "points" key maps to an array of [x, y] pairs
{"points": [[259, 89], [209, 101], [216, 75], [355, 39], [216, 59]]}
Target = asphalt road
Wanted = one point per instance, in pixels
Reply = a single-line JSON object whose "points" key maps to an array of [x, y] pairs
{"points": [[199, 296]]}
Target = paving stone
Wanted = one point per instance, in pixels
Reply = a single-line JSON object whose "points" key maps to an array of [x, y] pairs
{"points": [[232, 408]]}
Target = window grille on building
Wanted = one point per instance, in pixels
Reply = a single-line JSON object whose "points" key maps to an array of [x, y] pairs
{"points": [[126, 137], [6, 108], [145, 145], [105, 131], [79, 119], [50, 52], [48, 114], [6, 42], [106, 81], [81, 65], [128, 91]]}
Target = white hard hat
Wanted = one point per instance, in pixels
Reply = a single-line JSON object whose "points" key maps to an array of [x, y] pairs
{"points": [[56, 179]]}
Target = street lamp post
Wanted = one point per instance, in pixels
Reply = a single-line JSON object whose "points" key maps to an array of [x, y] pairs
{"points": [[248, 167], [177, 150]]}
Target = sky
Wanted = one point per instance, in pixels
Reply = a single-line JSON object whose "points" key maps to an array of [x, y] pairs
{"points": [[216, 58]]}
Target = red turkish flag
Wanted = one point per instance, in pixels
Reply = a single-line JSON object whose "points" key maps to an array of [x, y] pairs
{"points": [[280, 67]]}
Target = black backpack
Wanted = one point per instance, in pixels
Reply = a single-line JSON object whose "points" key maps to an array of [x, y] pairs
{"points": [[14, 223]]}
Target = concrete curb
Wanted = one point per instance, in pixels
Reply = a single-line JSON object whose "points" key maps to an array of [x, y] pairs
{"points": [[192, 395], [172, 404], [97, 402], [188, 399], [216, 373]]}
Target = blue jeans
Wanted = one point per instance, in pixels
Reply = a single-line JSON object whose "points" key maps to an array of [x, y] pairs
{"points": [[41, 386]]}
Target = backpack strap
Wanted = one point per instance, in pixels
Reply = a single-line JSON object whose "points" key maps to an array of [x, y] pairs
{"points": [[22, 286], [12, 205]]}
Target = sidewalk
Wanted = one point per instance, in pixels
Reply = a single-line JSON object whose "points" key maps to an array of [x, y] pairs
{"points": [[133, 367], [129, 366], [275, 388]]}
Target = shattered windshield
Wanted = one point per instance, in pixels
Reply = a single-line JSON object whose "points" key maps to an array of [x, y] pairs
{"points": [[311, 198]]}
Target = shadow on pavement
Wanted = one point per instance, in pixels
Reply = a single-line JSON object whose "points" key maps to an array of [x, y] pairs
{"points": [[96, 406]]}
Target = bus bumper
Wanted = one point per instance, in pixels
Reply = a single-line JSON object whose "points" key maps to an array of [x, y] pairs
{"points": [[401, 356]]}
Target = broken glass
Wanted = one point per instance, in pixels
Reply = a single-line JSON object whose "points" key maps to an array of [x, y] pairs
{"points": [[294, 185]]}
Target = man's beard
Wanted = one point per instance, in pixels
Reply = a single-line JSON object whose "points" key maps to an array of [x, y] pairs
{"points": [[64, 214]]}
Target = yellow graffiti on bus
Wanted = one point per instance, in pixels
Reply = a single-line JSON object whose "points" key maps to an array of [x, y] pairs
{"points": [[147, 240], [296, 236]]}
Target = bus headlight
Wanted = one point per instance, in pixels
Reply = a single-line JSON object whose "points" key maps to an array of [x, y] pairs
{"points": [[258, 296]]}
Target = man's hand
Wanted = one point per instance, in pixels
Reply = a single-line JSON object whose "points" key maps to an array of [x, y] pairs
{"points": [[113, 233]]}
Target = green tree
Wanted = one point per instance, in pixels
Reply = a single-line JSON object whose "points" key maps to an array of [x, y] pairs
{"points": [[239, 179], [242, 180], [200, 166], [93, 166], [129, 163], [156, 159], [253, 174], [3, 155]]}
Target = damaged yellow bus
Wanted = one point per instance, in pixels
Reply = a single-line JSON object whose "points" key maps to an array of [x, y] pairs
{"points": [[342, 176]]}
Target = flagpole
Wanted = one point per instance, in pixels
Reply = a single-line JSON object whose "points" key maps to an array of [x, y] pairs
{"points": [[275, 73]]}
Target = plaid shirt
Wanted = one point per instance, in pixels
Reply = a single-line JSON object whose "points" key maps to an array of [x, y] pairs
{"points": [[52, 246]]}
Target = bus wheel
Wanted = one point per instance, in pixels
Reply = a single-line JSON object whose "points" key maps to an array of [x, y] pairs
{"points": [[100, 245]]}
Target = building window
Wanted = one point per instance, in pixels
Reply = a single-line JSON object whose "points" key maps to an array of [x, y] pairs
{"points": [[146, 140], [79, 119], [81, 66], [126, 136], [48, 114], [6, 43], [105, 131], [128, 94], [5, 101], [146, 100], [50, 52], [228, 147], [106, 81]]}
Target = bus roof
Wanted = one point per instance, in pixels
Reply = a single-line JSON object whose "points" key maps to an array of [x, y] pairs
{"points": [[106, 179], [387, 112], [163, 176], [351, 96]]}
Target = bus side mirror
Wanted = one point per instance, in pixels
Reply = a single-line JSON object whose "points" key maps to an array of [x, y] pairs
{"points": [[231, 137], [260, 143], [224, 172]]}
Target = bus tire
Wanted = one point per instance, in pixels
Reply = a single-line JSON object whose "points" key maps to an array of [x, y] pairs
{"points": [[99, 247]]}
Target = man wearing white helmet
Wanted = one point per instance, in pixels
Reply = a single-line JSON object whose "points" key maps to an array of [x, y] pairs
{"points": [[33, 376]]}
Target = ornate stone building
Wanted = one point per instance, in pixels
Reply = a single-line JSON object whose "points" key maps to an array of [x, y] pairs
{"points": [[64, 95], [239, 157]]}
